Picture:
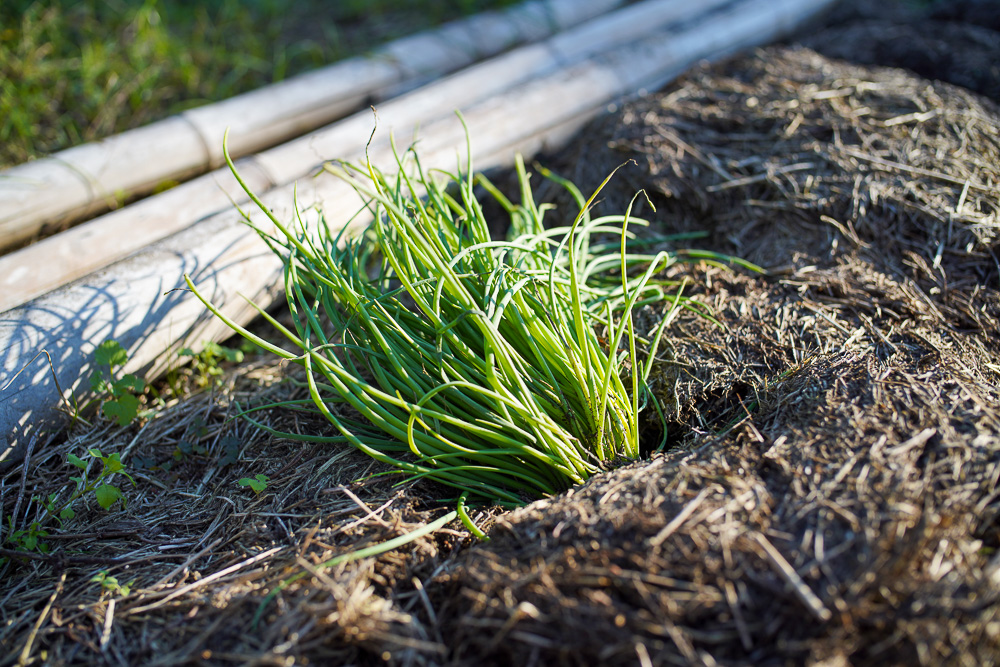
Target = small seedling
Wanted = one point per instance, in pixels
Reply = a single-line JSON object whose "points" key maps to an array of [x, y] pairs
{"points": [[230, 451], [185, 449], [110, 584], [206, 364], [32, 537], [49, 504], [27, 539], [122, 404], [258, 483], [106, 494]]}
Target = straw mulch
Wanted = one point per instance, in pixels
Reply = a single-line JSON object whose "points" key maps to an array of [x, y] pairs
{"points": [[831, 490]]}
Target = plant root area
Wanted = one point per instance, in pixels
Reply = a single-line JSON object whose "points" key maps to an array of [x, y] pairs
{"points": [[829, 495]]}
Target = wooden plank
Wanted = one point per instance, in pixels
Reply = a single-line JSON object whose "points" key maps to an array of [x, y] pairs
{"points": [[97, 243], [136, 302], [88, 178], [74, 184]]}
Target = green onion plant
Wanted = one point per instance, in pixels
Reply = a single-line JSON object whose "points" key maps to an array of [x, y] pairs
{"points": [[507, 369]]}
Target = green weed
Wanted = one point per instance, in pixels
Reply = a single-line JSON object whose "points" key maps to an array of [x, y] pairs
{"points": [[32, 538], [206, 364], [107, 494], [110, 584], [122, 402], [49, 509], [258, 483]]}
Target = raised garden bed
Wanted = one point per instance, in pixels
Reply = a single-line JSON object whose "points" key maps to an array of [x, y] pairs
{"points": [[830, 494]]}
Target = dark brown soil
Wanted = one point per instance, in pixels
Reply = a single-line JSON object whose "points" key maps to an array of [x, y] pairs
{"points": [[926, 48], [831, 490]]}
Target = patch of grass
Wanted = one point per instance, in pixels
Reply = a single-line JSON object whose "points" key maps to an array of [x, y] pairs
{"points": [[72, 71]]}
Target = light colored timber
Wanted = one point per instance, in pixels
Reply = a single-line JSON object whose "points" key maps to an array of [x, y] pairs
{"points": [[137, 301], [99, 242], [85, 180]]}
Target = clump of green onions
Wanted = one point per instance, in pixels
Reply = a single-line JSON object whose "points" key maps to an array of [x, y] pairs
{"points": [[473, 362]]}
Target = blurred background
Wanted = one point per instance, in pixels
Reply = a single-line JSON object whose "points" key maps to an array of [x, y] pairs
{"points": [[73, 71]]}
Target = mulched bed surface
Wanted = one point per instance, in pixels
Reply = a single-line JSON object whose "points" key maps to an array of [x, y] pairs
{"points": [[830, 490]]}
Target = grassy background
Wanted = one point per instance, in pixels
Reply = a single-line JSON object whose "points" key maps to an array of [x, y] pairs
{"points": [[73, 71]]}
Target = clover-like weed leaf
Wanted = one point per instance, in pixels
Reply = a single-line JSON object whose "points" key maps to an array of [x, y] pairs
{"points": [[123, 409], [107, 495], [258, 483]]}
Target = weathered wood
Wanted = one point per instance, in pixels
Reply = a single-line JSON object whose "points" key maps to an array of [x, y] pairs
{"points": [[85, 179], [99, 242], [76, 183], [137, 303]]}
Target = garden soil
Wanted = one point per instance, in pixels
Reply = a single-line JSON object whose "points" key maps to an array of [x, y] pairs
{"points": [[829, 488]]}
